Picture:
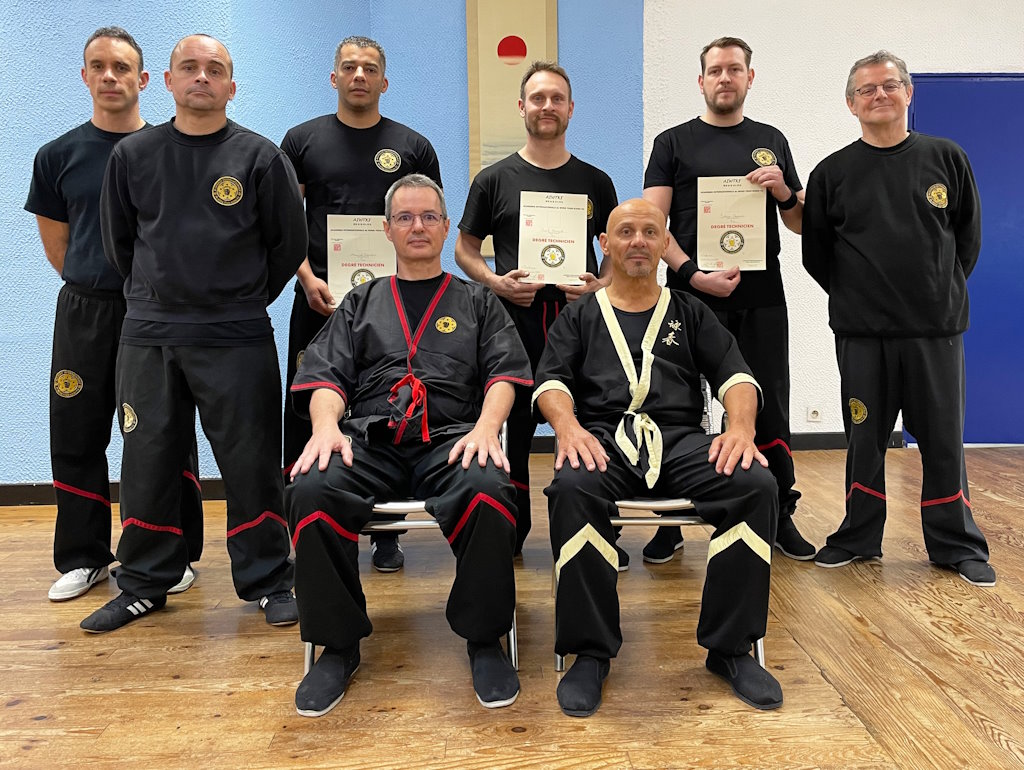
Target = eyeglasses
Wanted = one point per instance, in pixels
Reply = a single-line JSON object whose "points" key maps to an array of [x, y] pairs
{"points": [[428, 218], [889, 86]]}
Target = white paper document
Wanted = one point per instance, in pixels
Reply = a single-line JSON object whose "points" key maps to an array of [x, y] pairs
{"points": [[357, 251], [552, 236], [731, 229]]}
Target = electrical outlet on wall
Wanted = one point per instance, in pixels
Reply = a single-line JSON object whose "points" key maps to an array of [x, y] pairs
{"points": [[814, 414]]}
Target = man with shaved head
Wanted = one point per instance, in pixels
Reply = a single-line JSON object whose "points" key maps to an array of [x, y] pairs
{"points": [[204, 220], [619, 382]]}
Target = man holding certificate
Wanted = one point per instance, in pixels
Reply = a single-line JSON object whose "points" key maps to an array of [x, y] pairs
{"points": [[544, 207], [720, 178], [345, 163]]}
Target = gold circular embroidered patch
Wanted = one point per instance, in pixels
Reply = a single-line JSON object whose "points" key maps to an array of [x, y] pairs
{"points": [[446, 324], [131, 420], [762, 156], [590, 209], [361, 276], [299, 357], [67, 383], [937, 196], [227, 191], [387, 160], [858, 412], [552, 255]]}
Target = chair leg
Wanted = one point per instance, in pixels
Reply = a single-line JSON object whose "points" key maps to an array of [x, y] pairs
{"points": [[512, 643], [559, 663], [759, 652], [308, 657]]}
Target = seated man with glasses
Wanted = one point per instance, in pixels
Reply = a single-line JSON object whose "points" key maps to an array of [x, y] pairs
{"points": [[407, 386]]}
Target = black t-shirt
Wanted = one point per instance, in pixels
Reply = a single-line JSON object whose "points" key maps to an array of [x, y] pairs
{"points": [[416, 296], [66, 179], [634, 327], [348, 170], [492, 207], [695, 149]]}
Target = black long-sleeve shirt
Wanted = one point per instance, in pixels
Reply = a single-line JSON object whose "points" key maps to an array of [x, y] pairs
{"points": [[892, 234], [207, 230]]}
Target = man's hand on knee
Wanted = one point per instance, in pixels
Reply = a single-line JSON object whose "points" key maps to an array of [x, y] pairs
{"points": [[734, 448], [324, 442], [480, 443], [579, 445]]}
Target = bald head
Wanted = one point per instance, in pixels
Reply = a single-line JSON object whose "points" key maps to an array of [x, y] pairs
{"points": [[636, 239], [208, 42]]}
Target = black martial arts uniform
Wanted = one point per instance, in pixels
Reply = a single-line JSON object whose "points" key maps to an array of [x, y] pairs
{"points": [[345, 170], [66, 180], [207, 231], [755, 312], [492, 208], [635, 383], [413, 386], [892, 234]]}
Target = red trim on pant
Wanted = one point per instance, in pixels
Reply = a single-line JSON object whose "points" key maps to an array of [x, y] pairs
{"points": [[480, 498], [191, 477], [257, 521], [81, 492], [776, 442], [520, 485], [151, 527], [864, 489], [944, 500], [320, 515]]}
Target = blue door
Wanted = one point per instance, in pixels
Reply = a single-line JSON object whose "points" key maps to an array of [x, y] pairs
{"points": [[984, 114]]}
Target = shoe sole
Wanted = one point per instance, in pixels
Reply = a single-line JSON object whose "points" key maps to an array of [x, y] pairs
{"points": [[796, 557], [623, 568], [387, 570], [281, 623], [497, 704], [851, 560], [335, 702], [678, 546], [63, 597], [182, 586]]}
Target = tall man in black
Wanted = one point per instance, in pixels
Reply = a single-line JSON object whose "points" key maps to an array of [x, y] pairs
{"points": [[544, 164], [892, 231], [345, 163], [419, 371], [204, 220], [603, 383], [722, 142], [65, 197]]}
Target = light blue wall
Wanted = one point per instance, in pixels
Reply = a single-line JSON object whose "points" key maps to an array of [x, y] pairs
{"points": [[283, 55]]}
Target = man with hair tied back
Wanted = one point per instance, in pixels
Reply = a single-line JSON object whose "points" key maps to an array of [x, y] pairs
{"points": [[407, 386], [345, 162], [751, 305], [65, 197], [544, 164], [203, 218], [891, 232]]}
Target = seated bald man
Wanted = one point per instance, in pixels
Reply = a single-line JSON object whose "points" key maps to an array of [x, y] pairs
{"points": [[619, 382], [395, 347]]}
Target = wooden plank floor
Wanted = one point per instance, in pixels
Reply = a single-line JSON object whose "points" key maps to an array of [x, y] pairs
{"points": [[893, 663]]}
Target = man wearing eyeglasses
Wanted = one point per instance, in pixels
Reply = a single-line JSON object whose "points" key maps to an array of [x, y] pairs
{"points": [[345, 163], [407, 386], [751, 305], [544, 164], [892, 231]]}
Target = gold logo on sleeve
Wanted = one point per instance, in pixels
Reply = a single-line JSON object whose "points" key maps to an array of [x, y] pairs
{"points": [[937, 196], [67, 383], [858, 412], [131, 420]]}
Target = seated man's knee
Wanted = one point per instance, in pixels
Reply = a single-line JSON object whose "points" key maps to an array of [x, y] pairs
{"points": [[756, 480], [575, 481]]}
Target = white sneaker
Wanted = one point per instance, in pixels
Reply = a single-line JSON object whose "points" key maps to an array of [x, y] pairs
{"points": [[188, 577], [76, 582]]}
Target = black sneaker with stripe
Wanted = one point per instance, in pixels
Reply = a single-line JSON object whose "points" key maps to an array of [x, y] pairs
{"points": [[120, 611]]}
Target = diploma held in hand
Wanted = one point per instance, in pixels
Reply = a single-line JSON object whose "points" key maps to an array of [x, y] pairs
{"points": [[357, 251], [552, 236], [730, 224]]}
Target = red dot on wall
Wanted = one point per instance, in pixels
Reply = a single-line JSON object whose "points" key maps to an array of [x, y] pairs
{"points": [[511, 49]]}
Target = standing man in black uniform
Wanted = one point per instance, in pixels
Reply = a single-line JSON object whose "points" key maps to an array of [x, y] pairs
{"points": [[892, 231], [603, 384], [722, 142], [345, 162], [492, 208], [65, 197], [419, 371], [204, 220]]}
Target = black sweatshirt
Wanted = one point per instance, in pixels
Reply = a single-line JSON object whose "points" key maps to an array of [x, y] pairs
{"points": [[892, 235], [206, 229]]}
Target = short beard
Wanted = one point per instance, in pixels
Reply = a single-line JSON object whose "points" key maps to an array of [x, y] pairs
{"points": [[725, 110]]}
